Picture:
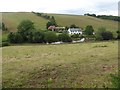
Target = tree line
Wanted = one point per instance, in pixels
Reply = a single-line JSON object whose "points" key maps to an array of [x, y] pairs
{"points": [[27, 33], [108, 17]]}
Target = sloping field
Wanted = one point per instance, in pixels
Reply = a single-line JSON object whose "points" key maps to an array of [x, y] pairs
{"points": [[83, 21], [86, 65], [14, 18]]}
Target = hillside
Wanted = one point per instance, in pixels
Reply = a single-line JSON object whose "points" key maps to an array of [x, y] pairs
{"points": [[83, 21], [13, 19]]}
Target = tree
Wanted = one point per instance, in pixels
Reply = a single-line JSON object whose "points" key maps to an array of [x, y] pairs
{"points": [[102, 34], [11, 37], [24, 28], [75, 36], [89, 30], [50, 37], [38, 37], [107, 35], [64, 37], [50, 24], [73, 26], [15, 37], [118, 32]]}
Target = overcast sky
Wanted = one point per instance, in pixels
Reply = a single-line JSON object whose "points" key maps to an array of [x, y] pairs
{"points": [[80, 7]]}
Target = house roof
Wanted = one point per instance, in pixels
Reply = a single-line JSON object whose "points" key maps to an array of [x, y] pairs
{"points": [[51, 27], [75, 29]]}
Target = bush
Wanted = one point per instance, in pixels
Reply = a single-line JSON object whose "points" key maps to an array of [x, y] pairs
{"points": [[102, 34], [4, 44], [64, 38], [118, 32], [107, 35], [89, 30], [75, 36], [50, 37], [38, 37], [15, 38], [115, 81]]}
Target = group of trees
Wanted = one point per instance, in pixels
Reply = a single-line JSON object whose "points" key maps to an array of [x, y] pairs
{"points": [[101, 33], [108, 17], [28, 34], [51, 19]]}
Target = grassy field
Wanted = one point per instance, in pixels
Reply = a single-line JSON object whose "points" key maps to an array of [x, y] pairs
{"points": [[83, 21], [82, 65], [13, 19]]}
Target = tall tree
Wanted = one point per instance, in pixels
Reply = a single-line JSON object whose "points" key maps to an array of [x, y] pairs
{"points": [[89, 30], [25, 27]]}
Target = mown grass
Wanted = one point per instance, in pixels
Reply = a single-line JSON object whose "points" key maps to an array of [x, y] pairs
{"points": [[82, 65]]}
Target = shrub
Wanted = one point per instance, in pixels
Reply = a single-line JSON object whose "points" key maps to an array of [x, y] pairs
{"points": [[38, 37], [118, 32], [50, 37], [4, 44], [64, 37], [89, 30], [107, 35], [102, 34], [11, 37], [75, 36], [115, 81], [15, 37]]}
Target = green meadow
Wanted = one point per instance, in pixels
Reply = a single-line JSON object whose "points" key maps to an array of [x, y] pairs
{"points": [[81, 65]]}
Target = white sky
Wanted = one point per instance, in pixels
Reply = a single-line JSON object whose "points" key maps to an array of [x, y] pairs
{"points": [[108, 7]]}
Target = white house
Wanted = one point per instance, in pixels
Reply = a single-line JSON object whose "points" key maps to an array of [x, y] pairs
{"points": [[74, 31]]}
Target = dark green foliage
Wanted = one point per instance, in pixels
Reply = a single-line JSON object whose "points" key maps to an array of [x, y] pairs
{"points": [[73, 26], [115, 18], [3, 44], [102, 34], [75, 36], [50, 24], [87, 14], [115, 81], [98, 35], [11, 37], [38, 37], [108, 17], [89, 30], [118, 32], [107, 35], [66, 27], [25, 28], [64, 38], [50, 37], [15, 37]]}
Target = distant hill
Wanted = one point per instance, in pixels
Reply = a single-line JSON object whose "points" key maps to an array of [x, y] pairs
{"points": [[13, 19]]}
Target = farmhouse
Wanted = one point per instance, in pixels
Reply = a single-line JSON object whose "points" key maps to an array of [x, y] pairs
{"points": [[51, 28], [74, 31], [58, 29]]}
